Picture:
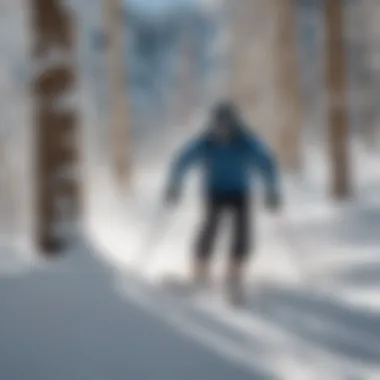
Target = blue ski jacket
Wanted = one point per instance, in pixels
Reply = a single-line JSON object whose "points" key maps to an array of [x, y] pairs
{"points": [[227, 167]]}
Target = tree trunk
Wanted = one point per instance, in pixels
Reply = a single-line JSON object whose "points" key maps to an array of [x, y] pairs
{"points": [[56, 130], [288, 87], [121, 144], [186, 78], [371, 79], [252, 80], [337, 103]]}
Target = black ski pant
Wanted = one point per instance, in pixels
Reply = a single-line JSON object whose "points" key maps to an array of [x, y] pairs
{"points": [[237, 205]]}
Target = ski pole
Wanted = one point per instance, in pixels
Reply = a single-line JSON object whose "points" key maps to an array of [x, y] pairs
{"points": [[155, 233], [296, 252]]}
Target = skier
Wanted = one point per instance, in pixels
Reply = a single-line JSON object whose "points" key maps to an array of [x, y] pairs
{"points": [[226, 152]]}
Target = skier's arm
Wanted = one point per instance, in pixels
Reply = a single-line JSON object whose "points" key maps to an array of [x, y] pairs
{"points": [[267, 164], [183, 161]]}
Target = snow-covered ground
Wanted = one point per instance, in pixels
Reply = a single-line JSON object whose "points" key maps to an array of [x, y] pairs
{"points": [[314, 280], [313, 310], [68, 320]]}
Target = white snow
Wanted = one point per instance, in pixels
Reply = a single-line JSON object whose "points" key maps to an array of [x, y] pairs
{"points": [[313, 312], [315, 277]]}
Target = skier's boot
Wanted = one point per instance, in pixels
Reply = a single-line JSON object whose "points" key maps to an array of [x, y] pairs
{"points": [[235, 286], [201, 275], [199, 281]]}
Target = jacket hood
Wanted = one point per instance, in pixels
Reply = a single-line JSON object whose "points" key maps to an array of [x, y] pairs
{"points": [[227, 114]]}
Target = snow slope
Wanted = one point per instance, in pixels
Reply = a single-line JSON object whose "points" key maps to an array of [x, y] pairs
{"points": [[313, 309], [68, 321], [314, 281]]}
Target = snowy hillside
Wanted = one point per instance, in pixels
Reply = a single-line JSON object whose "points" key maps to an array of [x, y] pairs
{"points": [[314, 280], [313, 311]]}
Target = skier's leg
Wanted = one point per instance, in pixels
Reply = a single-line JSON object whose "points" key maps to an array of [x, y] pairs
{"points": [[206, 239], [240, 207]]}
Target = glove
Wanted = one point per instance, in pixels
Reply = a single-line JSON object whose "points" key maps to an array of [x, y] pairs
{"points": [[272, 201], [172, 195]]}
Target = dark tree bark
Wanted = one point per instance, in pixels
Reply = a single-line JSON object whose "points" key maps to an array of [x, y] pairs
{"points": [[58, 203], [337, 103]]}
